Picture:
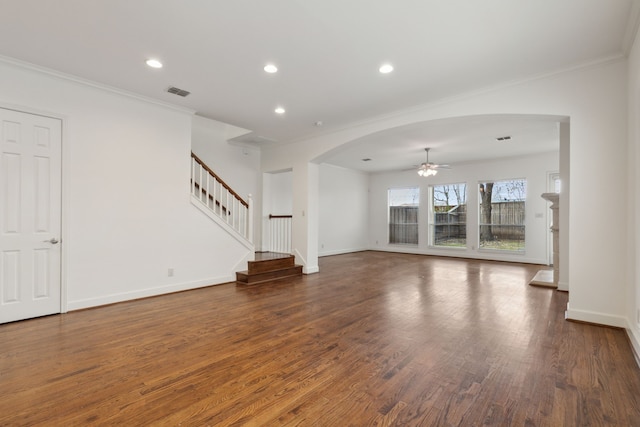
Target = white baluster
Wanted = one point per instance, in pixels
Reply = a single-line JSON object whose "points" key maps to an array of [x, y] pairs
{"points": [[193, 176], [250, 219]]}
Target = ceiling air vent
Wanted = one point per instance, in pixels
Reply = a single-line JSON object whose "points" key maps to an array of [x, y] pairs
{"points": [[177, 91]]}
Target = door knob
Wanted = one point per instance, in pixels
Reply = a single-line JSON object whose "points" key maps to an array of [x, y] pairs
{"points": [[53, 241]]}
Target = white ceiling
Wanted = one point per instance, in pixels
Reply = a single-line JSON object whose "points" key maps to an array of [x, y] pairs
{"points": [[328, 53], [451, 141]]}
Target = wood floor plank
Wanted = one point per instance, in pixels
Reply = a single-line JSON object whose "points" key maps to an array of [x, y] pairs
{"points": [[373, 339]]}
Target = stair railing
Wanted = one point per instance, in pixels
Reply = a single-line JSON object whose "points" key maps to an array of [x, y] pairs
{"points": [[280, 233], [220, 199]]}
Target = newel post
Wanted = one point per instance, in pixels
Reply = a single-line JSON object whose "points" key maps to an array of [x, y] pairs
{"points": [[250, 218]]}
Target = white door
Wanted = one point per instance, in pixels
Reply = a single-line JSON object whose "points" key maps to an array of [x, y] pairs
{"points": [[30, 210]]}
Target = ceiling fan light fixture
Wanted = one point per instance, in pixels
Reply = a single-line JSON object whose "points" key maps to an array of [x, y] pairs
{"points": [[428, 169]]}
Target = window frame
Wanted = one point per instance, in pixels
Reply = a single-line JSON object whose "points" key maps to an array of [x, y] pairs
{"points": [[521, 247], [417, 216], [432, 223]]}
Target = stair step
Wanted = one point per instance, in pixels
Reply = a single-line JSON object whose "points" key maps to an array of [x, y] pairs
{"points": [[274, 262], [252, 278]]}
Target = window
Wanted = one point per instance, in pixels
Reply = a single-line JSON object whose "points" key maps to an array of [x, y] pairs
{"points": [[448, 215], [502, 208], [403, 215]]}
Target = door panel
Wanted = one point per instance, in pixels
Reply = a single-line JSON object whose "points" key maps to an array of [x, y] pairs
{"points": [[30, 211]]}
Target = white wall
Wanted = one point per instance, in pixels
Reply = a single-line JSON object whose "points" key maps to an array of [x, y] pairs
{"points": [[127, 216], [343, 210], [533, 168], [594, 99], [632, 291], [281, 194], [277, 196]]}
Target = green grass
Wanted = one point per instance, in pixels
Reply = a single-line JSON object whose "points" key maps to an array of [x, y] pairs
{"points": [[503, 245], [452, 243]]}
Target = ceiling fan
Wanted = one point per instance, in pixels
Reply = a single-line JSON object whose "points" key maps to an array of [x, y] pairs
{"points": [[430, 169]]}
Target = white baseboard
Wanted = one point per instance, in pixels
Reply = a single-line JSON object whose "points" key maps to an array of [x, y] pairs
{"points": [[145, 293], [634, 338], [459, 253], [563, 286], [310, 269], [594, 317], [341, 251]]}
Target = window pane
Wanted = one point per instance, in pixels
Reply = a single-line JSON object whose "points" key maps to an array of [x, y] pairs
{"points": [[449, 215], [502, 208], [403, 215]]}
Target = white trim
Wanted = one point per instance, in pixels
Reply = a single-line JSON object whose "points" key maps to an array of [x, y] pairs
{"points": [[65, 224], [310, 270], [306, 269], [84, 82], [341, 251], [634, 339], [594, 317], [563, 286], [150, 292], [300, 258], [460, 253]]}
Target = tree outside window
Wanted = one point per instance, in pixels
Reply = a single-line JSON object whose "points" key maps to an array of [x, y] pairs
{"points": [[403, 215], [448, 216], [502, 214]]}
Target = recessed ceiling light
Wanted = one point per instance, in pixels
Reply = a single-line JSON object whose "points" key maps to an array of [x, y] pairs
{"points": [[270, 68], [279, 110], [386, 68], [154, 63]]}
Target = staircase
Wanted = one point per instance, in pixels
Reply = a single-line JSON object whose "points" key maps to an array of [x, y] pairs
{"points": [[218, 201], [267, 267]]}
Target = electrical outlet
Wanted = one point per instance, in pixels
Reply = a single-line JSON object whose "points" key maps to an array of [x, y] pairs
{"points": [[170, 272]]}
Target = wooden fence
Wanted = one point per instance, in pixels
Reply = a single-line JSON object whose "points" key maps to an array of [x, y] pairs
{"points": [[403, 225], [450, 222], [507, 222]]}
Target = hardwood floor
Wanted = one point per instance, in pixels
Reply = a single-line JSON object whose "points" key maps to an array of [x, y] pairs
{"points": [[373, 339]]}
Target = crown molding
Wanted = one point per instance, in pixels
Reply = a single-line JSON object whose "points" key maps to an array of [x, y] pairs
{"points": [[89, 83]]}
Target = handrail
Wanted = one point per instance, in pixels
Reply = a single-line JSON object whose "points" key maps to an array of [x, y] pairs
{"points": [[224, 184], [280, 216]]}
